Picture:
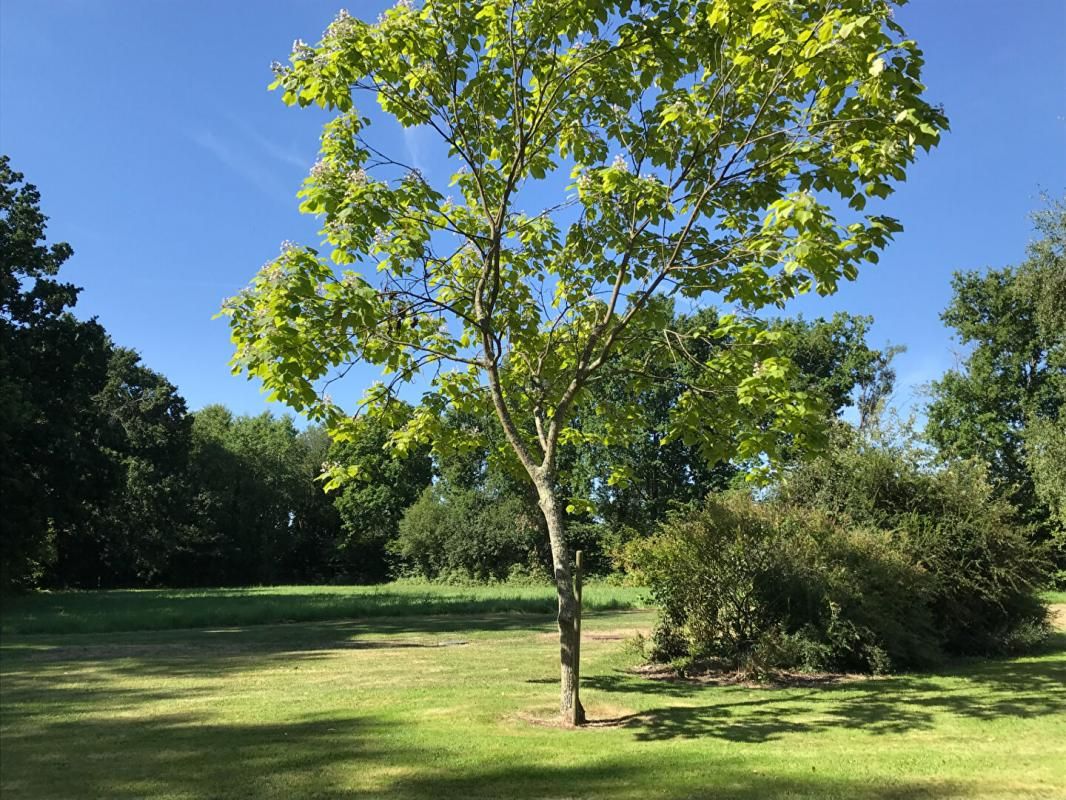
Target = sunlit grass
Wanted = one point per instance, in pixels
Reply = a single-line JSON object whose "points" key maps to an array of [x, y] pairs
{"points": [[457, 706]]}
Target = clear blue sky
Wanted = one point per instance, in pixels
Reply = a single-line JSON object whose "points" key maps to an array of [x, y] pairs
{"points": [[172, 171]]}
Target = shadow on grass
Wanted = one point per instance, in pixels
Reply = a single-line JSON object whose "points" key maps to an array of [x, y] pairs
{"points": [[353, 757], [72, 732], [39, 662], [143, 610], [182, 755], [983, 690]]}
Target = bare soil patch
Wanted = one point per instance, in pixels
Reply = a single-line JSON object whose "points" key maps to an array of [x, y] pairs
{"points": [[1058, 616], [598, 716], [616, 635]]}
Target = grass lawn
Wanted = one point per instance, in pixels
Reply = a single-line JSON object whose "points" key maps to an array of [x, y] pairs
{"points": [[414, 705], [162, 609]]}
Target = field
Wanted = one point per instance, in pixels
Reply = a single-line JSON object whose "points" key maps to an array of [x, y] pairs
{"points": [[411, 691]]}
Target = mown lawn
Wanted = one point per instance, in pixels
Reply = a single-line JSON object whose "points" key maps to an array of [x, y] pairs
{"points": [[453, 705], [163, 609]]}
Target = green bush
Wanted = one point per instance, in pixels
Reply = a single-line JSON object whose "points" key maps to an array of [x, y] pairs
{"points": [[759, 586], [946, 519], [865, 559], [460, 534]]}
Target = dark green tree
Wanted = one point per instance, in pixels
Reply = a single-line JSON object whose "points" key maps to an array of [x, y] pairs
{"points": [[371, 507], [140, 515], [1004, 405], [261, 517], [51, 367], [834, 363], [247, 470]]}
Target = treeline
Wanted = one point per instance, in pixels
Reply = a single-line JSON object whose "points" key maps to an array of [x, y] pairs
{"points": [[109, 481]]}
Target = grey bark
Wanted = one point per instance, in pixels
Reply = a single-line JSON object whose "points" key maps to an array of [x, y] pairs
{"points": [[567, 616]]}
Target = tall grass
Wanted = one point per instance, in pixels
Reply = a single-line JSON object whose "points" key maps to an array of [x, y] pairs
{"points": [[161, 609]]}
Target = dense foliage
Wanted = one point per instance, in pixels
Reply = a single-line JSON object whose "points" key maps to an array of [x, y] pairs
{"points": [[51, 366], [862, 559], [470, 534], [371, 507], [1006, 405]]}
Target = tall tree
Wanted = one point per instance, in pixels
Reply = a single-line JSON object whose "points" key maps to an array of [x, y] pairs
{"points": [[371, 507], [51, 367], [832, 360], [251, 472], [702, 139], [140, 516], [1005, 403], [836, 362]]}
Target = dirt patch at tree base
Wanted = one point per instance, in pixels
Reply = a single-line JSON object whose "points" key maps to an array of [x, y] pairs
{"points": [[598, 716]]}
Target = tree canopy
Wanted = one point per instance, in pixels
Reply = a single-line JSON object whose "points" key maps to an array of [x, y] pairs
{"points": [[1005, 404], [699, 149], [51, 366]]}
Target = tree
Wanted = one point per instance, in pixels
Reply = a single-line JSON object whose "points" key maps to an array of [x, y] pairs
{"points": [[316, 531], [703, 141], [371, 508], [254, 509], [1005, 404], [141, 513], [833, 362], [837, 363], [51, 366]]}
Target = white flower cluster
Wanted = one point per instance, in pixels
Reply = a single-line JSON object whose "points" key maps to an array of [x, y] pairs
{"points": [[301, 51], [358, 177], [278, 68], [341, 24], [337, 232], [620, 163], [288, 245], [320, 170]]}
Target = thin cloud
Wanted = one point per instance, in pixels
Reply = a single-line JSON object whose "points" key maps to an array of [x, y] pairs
{"points": [[242, 162], [285, 155], [416, 147]]}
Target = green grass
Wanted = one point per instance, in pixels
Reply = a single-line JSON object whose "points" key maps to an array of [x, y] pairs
{"points": [[1054, 597], [453, 706], [164, 609]]}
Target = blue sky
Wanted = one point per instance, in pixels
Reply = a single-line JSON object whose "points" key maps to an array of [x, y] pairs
{"points": [[172, 171]]}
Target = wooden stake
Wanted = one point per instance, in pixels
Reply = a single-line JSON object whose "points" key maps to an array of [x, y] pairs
{"points": [[577, 642]]}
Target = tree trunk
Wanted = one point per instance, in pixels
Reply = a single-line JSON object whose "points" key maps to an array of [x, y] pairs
{"points": [[567, 617]]}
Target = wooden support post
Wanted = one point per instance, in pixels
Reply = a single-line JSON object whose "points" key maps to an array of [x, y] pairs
{"points": [[577, 642]]}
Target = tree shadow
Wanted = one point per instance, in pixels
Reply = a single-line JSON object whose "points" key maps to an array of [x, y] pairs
{"points": [[982, 690], [728, 779], [166, 609], [216, 650], [182, 755]]}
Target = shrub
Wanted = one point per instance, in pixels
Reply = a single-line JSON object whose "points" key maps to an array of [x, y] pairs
{"points": [[947, 520], [760, 585], [865, 559], [467, 534]]}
